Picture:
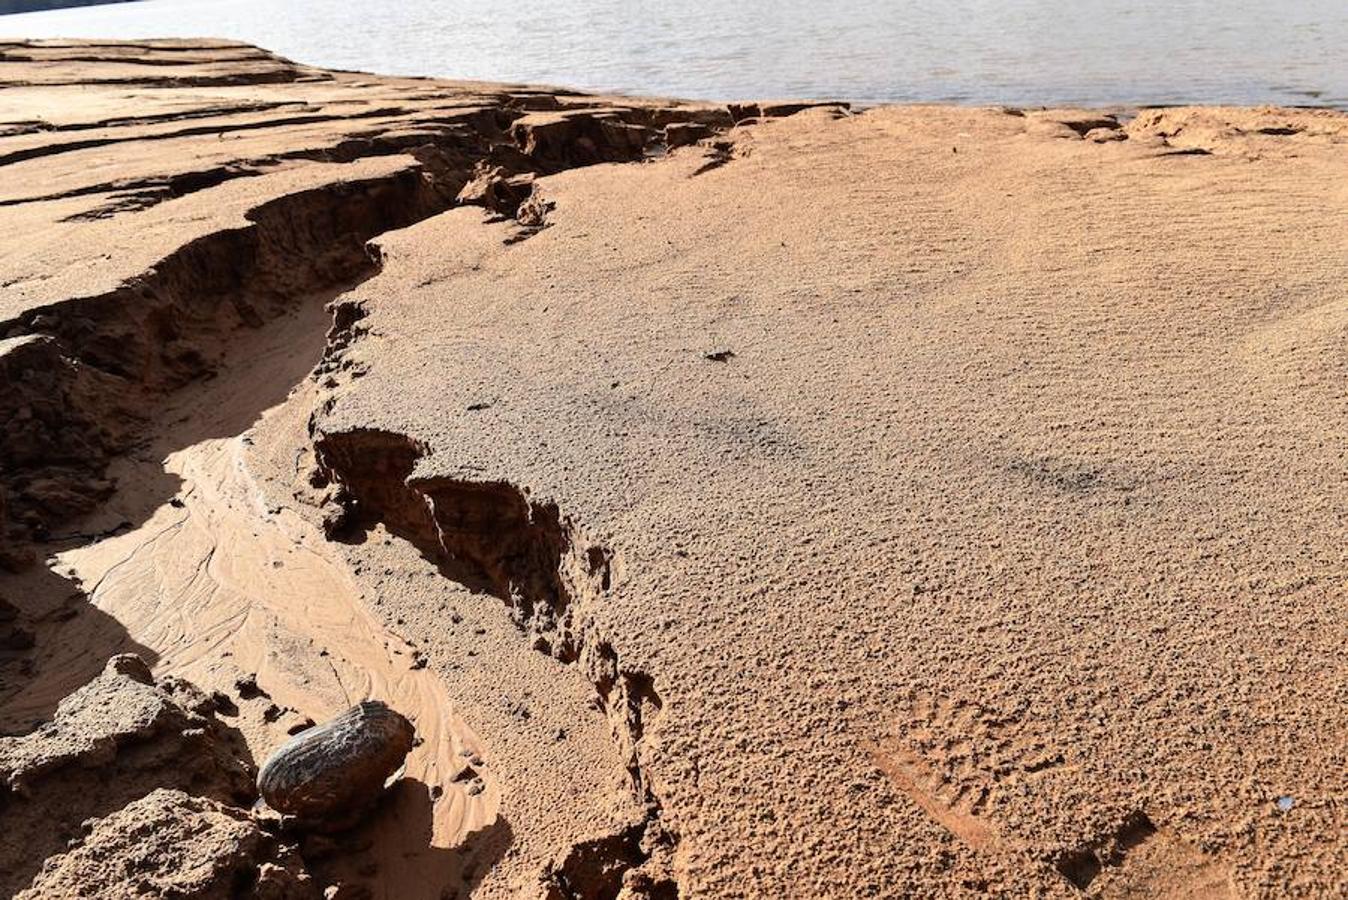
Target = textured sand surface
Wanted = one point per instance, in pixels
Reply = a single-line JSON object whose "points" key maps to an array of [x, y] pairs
{"points": [[918, 502], [975, 492]]}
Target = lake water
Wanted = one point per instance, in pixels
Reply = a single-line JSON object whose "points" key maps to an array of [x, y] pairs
{"points": [[1087, 52]]}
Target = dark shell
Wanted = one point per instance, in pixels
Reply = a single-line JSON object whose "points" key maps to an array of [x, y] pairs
{"points": [[333, 770]]}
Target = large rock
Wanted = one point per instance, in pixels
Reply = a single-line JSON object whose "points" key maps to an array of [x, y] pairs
{"points": [[169, 844], [125, 719], [327, 775], [112, 742]]}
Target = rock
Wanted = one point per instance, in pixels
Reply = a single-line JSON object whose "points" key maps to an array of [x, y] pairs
{"points": [[132, 666], [681, 134], [1104, 135], [109, 744], [170, 844], [247, 687], [327, 775], [555, 141], [284, 881], [223, 704], [533, 212], [1084, 123], [496, 189], [119, 710]]}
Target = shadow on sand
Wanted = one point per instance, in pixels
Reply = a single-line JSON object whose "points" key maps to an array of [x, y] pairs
{"points": [[73, 639], [399, 835]]}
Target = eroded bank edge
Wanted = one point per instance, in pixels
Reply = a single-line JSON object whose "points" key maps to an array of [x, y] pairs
{"points": [[89, 373]]}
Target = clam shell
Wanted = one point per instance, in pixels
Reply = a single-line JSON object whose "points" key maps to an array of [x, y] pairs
{"points": [[333, 770]]}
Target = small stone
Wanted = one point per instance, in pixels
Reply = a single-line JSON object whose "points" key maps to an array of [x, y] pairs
{"points": [[130, 665], [1104, 135], [223, 704], [247, 687]]}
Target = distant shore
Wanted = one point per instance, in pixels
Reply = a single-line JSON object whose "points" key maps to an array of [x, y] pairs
{"points": [[8, 7]]}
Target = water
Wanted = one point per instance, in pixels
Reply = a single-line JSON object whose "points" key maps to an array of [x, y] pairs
{"points": [[1088, 52]]}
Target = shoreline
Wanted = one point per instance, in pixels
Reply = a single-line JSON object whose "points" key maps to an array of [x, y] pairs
{"points": [[588, 362]]}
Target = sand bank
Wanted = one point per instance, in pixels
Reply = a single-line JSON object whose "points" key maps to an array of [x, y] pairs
{"points": [[741, 501]]}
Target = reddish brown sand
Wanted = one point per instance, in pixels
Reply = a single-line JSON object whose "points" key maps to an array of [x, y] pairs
{"points": [[914, 502]]}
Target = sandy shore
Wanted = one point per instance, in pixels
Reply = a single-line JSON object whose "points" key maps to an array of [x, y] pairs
{"points": [[759, 500]]}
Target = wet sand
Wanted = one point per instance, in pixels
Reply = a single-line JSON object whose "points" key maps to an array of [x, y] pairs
{"points": [[922, 501]]}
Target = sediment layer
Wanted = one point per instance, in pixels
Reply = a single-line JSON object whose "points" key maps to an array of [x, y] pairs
{"points": [[916, 502]]}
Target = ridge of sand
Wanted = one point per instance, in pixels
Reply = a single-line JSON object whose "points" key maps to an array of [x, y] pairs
{"points": [[924, 501]]}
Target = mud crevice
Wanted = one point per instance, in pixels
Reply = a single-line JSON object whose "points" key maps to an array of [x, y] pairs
{"points": [[47, 150], [493, 537], [242, 79], [105, 359], [153, 119]]}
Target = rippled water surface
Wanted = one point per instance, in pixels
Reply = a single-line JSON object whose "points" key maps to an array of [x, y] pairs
{"points": [[1090, 52]]}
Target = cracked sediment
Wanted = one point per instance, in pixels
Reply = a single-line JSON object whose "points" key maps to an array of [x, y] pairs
{"points": [[171, 502], [924, 502]]}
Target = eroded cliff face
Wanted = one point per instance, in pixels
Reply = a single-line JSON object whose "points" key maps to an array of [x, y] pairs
{"points": [[493, 538]]}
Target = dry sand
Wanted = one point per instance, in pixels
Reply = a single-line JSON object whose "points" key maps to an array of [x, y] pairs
{"points": [[913, 502]]}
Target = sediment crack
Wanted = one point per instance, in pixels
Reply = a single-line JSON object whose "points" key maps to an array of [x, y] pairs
{"points": [[492, 537], [108, 357], [107, 362]]}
